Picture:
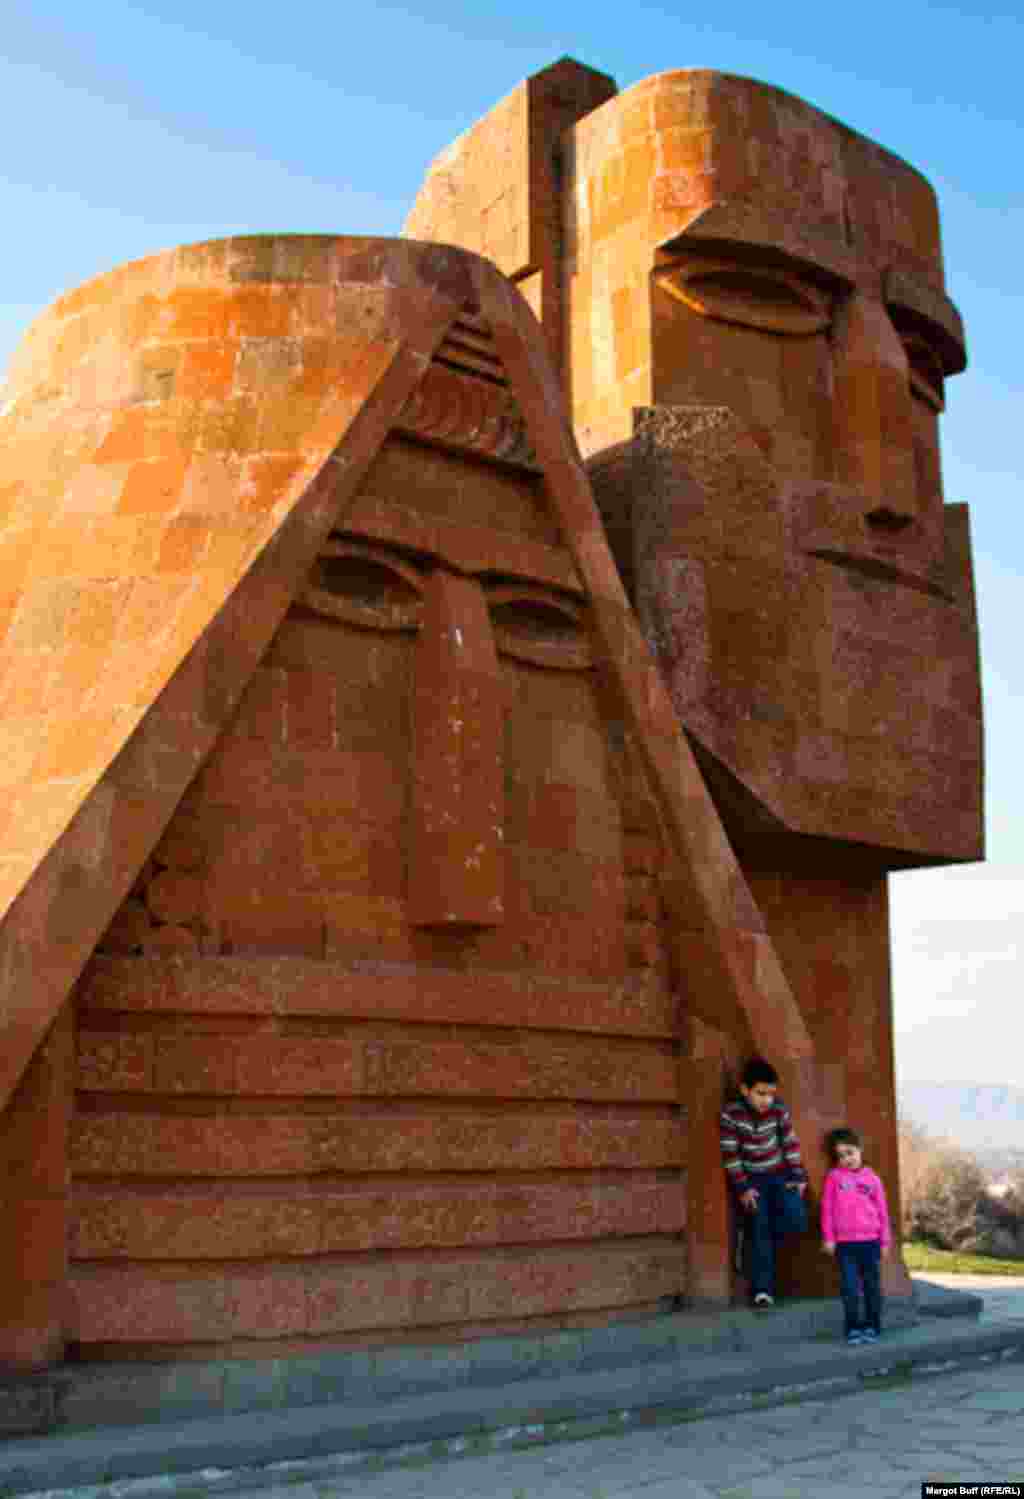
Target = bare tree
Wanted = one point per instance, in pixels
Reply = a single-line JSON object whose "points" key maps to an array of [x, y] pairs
{"points": [[917, 1155], [943, 1188]]}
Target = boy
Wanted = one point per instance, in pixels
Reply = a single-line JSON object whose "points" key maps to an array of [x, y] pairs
{"points": [[761, 1155]]}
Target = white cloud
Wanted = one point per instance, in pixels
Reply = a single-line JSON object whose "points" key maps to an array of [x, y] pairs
{"points": [[957, 940]]}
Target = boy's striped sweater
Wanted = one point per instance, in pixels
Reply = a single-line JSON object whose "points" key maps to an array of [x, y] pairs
{"points": [[753, 1144]]}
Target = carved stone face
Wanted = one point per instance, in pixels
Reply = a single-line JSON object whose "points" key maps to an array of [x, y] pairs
{"points": [[459, 635], [478, 609], [806, 295], [758, 297], [446, 786], [456, 625]]}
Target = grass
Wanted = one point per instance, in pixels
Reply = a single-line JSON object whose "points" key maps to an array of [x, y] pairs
{"points": [[917, 1256]]}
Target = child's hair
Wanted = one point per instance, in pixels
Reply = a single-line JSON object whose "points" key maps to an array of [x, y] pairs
{"points": [[842, 1136], [758, 1070]]}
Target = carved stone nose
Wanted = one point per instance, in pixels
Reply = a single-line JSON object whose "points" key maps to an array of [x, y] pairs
{"points": [[873, 417], [456, 864]]}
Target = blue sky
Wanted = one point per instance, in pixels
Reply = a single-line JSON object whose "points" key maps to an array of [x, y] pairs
{"points": [[132, 128]]}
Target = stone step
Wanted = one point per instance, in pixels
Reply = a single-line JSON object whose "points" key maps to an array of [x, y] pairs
{"points": [[484, 1396]]}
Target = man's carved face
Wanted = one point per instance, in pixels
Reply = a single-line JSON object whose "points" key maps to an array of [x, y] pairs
{"points": [[806, 295], [761, 340]]}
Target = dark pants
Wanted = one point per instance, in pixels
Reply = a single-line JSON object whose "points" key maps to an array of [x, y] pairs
{"points": [[860, 1265], [780, 1211]]}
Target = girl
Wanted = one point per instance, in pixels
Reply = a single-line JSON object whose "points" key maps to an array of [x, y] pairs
{"points": [[855, 1228]]}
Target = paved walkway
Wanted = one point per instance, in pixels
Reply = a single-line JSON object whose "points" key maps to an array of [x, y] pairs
{"points": [[1003, 1295], [956, 1427]]}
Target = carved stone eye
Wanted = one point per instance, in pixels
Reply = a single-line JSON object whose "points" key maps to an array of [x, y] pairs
{"points": [[754, 296], [538, 626], [926, 375], [363, 587]]}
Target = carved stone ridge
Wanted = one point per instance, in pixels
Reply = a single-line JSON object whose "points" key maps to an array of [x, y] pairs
{"points": [[469, 413]]}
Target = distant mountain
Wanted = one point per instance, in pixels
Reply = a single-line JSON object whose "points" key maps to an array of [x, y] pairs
{"points": [[987, 1119]]}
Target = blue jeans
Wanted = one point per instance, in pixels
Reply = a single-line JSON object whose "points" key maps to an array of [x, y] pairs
{"points": [[780, 1211], [860, 1266]]}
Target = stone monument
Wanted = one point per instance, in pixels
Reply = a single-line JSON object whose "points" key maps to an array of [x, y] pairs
{"points": [[400, 848]]}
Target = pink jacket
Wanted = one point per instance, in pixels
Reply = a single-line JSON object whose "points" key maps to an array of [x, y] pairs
{"points": [[853, 1206]]}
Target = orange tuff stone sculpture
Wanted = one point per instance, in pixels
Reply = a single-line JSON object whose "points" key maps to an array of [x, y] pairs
{"points": [[352, 864], [407, 907], [755, 338]]}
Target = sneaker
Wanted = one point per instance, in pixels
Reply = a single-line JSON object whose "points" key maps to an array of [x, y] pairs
{"points": [[855, 1338], [762, 1301], [869, 1335]]}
